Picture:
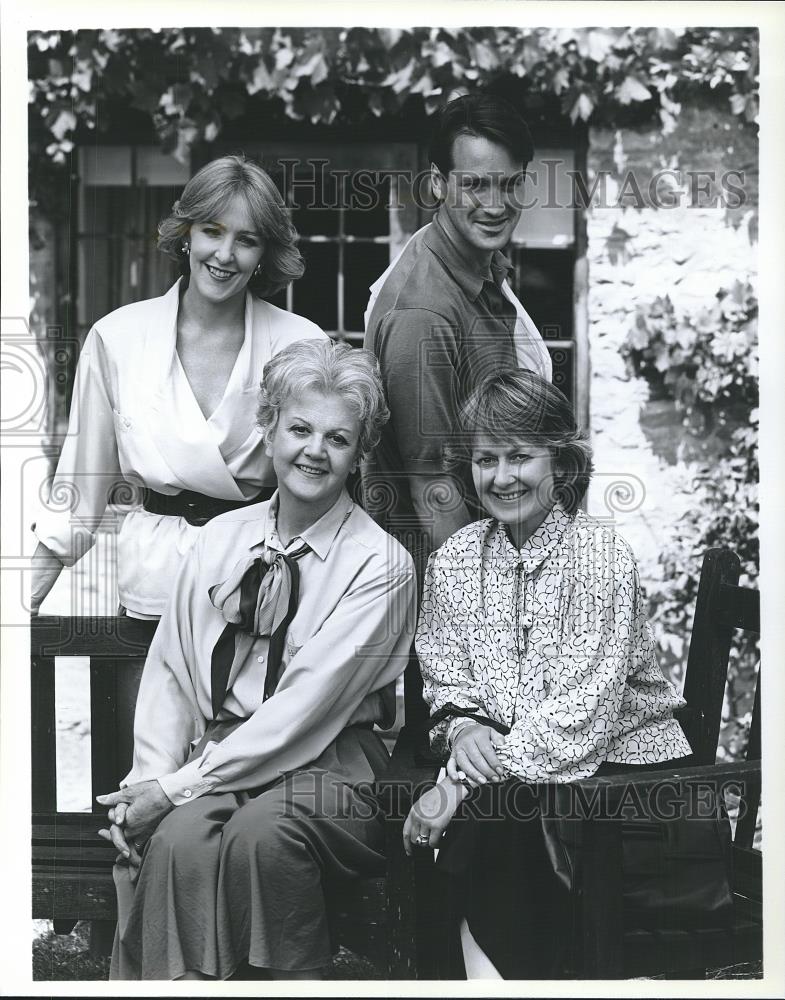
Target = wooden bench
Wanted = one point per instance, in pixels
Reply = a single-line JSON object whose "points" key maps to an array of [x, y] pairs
{"points": [[391, 919], [72, 866], [609, 948]]}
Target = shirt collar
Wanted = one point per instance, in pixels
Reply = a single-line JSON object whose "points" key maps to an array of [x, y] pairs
{"points": [[536, 549], [319, 537], [443, 239]]}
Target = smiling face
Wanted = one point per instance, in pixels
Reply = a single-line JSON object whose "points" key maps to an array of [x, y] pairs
{"points": [[224, 253], [514, 483], [483, 194], [314, 447]]}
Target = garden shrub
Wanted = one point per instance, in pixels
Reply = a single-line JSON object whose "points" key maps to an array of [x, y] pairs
{"points": [[707, 364]]}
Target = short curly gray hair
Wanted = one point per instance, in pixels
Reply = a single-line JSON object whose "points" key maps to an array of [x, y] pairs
{"points": [[210, 191], [326, 366]]}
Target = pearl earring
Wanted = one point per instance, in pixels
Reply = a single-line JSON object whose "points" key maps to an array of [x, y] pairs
{"points": [[257, 271], [186, 247]]}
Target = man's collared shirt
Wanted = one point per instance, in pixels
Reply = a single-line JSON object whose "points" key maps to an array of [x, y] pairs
{"points": [[438, 327], [347, 643]]}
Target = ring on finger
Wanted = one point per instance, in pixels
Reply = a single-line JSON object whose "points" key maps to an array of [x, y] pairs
{"points": [[422, 839]]}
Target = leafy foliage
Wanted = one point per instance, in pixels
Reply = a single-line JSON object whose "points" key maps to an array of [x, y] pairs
{"points": [[708, 365], [188, 82], [706, 362]]}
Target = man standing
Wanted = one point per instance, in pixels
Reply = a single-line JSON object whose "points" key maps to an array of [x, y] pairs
{"points": [[443, 316]]}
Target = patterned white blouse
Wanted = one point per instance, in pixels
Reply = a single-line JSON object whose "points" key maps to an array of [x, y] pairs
{"points": [[552, 641]]}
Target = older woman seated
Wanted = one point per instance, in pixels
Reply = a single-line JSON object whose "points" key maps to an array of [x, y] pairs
{"points": [[539, 667], [288, 625]]}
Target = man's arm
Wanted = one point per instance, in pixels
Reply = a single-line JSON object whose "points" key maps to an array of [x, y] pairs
{"points": [[438, 505], [418, 356]]}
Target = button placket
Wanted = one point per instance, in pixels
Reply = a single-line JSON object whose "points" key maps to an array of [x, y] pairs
{"points": [[522, 624]]}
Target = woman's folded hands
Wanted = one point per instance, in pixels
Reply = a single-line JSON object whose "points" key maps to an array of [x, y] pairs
{"points": [[134, 813]]}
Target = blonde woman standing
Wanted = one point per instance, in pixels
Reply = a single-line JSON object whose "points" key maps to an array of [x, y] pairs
{"points": [[166, 389]]}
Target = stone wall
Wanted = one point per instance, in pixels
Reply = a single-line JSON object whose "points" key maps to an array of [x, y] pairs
{"points": [[636, 255]]}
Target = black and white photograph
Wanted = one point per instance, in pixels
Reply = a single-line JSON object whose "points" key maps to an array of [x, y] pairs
{"points": [[391, 535]]}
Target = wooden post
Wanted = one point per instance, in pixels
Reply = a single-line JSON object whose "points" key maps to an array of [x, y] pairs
{"points": [[704, 686]]}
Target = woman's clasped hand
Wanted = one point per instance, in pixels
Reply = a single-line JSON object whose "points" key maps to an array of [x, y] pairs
{"points": [[473, 754], [430, 815], [134, 812]]}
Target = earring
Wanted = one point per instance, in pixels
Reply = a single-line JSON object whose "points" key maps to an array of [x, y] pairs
{"points": [[257, 271], [186, 247]]}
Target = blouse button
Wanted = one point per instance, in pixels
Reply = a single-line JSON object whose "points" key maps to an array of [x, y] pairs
{"points": [[187, 793], [260, 659]]}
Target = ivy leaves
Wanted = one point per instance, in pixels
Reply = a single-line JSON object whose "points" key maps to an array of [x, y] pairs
{"points": [[707, 360], [190, 81], [708, 364]]}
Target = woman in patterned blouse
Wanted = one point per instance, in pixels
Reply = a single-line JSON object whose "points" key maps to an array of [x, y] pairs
{"points": [[532, 619]]}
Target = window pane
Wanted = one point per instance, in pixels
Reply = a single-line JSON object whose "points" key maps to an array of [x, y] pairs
{"points": [[363, 263], [543, 281], [366, 205], [119, 258], [96, 268], [315, 295], [314, 200]]}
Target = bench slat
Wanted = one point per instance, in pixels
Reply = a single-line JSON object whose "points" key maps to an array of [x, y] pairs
{"points": [[43, 748]]}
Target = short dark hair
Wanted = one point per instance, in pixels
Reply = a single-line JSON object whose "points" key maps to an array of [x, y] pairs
{"points": [[484, 115], [520, 405], [210, 191]]}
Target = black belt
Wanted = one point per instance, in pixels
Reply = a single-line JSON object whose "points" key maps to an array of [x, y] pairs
{"points": [[196, 508]]}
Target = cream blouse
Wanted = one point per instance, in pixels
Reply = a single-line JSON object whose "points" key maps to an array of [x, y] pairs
{"points": [[552, 641], [134, 419], [347, 643]]}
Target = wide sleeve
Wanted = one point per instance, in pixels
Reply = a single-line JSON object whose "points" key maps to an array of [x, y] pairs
{"points": [[566, 735], [362, 646], [89, 467], [442, 649], [167, 717]]}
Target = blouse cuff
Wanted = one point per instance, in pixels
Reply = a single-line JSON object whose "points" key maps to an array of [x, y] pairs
{"points": [[454, 727], [64, 537], [186, 784]]}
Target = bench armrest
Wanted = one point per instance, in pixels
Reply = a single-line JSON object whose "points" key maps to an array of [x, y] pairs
{"points": [[611, 789]]}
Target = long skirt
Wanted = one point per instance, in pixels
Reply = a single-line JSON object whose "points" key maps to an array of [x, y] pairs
{"points": [[242, 877], [495, 871]]}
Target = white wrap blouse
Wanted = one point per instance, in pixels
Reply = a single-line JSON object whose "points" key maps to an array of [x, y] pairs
{"points": [[134, 419]]}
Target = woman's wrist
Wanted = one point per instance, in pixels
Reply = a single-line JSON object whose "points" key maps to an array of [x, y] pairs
{"points": [[459, 727], [460, 788]]}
